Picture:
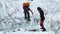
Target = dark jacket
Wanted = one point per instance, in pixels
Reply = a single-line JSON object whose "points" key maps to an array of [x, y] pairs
{"points": [[26, 9], [41, 13]]}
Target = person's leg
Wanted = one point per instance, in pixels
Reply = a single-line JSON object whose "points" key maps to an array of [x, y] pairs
{"points": [[25, 15], [28, 16], [42, 25]]}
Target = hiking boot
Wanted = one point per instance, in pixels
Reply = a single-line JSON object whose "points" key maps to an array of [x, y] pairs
{"points": [[25, 17], [29, 20], [44, 29]]}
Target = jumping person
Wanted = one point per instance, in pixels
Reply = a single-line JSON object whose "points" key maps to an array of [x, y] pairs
{"points": [[42, 18], [26, 10]]}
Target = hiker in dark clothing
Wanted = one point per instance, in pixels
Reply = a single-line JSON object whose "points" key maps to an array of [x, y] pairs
{"points": [[42, 18], [26, 10]]}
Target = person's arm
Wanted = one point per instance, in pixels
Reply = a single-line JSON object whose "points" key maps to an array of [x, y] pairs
{"points": [[42, 11], [31, 11]]}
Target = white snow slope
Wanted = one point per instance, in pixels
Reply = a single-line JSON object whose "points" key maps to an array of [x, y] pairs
{"points": [[12, 17]]}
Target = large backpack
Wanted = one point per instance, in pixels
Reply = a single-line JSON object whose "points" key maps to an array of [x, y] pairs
{"points": [[26, 4]]}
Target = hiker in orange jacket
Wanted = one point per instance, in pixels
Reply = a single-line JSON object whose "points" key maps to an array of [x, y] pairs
{"points": [[26, 10]]}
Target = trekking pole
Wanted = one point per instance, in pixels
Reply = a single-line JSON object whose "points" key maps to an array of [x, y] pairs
{"points": [[36, 20]]}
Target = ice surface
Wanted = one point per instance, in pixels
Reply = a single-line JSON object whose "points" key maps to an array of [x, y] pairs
{"points": [[12, 17]]}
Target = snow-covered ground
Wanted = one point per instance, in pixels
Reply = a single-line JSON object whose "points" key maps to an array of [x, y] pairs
{"points": [[18, 32], [12, 17]]}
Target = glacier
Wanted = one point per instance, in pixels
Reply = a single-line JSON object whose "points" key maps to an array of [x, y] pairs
{"points": [[12, 17]]}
